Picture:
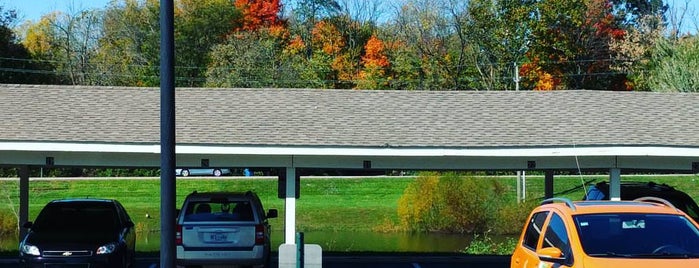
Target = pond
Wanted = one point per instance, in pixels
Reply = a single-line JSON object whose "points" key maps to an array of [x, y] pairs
{"points": [[345, 241]]}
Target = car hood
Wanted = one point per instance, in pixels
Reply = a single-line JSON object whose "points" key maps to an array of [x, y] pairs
{"points": [[69, 240], [640, 263]]}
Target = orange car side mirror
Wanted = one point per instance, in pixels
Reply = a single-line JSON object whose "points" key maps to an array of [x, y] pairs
{"points": [[550, 254]]}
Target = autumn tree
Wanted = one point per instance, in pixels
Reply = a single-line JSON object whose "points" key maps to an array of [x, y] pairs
{"points": [[374, 74], [258, 14], [571, 46]]}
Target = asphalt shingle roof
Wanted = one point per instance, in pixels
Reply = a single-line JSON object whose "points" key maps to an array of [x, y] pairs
{"points": [[351, 118]]}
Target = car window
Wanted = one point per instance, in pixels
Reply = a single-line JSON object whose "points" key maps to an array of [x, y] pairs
{"points": [[534, 228], [77, 217], [637, 234], [222, 210], [557, 236]]}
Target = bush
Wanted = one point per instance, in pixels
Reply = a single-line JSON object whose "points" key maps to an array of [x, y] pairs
{"points": [[484, 244], [454, 202], [8, 224]]}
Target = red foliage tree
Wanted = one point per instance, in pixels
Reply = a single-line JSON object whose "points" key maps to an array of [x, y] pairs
{"points": [[258, 13]]}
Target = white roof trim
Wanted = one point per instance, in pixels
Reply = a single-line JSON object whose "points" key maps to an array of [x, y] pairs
{"points": [[319, 151]]}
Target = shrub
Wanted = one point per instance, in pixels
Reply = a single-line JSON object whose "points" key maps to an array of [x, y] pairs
{"points": [[512, 216], [484, 244], [416, 206], [454, 202], [8, 224]]}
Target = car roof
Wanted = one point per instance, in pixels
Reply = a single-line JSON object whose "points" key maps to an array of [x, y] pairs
{"points": [[598, 207], [208, 195], [84, 200]]}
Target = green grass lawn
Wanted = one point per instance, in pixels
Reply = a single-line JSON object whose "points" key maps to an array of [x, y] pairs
{"points": [[362, 204]]}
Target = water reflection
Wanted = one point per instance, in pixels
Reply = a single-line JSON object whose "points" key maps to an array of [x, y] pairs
{"points": [[350, 241], [383, 242]]}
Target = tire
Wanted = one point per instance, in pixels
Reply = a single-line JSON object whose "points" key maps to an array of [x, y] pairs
{"points": [[217, 173], [184, 172]]}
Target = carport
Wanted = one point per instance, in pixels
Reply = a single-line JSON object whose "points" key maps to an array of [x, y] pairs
{"points": [[291, 129]]}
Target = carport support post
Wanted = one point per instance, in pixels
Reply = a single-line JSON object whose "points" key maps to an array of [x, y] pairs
{"points": [[614, 184], [23, 200], [548, 184], [290, 206]]}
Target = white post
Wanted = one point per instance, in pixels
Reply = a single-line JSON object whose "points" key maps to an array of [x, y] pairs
{"points": [[615, 184], [519, 186], [290, 207]]}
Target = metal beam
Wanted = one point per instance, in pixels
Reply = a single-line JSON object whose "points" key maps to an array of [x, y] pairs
{"points": [[167, 135], [614, 184], [548, 184], [23, 200]]}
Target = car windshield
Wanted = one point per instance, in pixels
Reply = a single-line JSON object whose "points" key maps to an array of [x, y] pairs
{"points": [[219, 210], [637, 235], [77, 217]]}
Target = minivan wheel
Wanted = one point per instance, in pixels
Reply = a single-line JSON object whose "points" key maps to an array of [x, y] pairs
{"points": [[184, 173], [217, 172]]}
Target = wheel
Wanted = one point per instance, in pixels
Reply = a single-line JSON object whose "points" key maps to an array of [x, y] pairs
{"points": [[217, 172], [185, 172]]}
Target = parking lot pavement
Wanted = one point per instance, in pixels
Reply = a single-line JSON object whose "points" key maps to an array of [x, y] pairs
{"points": [[363, 260]]}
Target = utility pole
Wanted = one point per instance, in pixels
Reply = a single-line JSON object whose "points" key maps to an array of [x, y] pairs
{"points": [[521, 175]]}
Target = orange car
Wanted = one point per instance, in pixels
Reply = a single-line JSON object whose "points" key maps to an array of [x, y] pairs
{"points": [[646, 232]]}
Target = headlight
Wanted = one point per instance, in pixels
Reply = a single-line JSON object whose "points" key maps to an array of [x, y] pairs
{"points": [[106, 249], [30, 250]]}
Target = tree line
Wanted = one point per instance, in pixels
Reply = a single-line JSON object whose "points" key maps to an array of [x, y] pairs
{"points": [[364, 44]]}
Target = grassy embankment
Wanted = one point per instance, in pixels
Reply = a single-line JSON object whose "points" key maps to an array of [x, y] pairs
{"points": [[362, 204]]}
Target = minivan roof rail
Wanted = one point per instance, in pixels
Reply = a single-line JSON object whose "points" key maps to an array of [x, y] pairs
{"points": [[655, 200]]}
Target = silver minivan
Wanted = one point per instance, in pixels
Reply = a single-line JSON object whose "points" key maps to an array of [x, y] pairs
{"points": [[223, 228]]}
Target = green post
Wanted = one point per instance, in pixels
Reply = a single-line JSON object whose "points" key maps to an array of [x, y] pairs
{"points": [[299, 250]]}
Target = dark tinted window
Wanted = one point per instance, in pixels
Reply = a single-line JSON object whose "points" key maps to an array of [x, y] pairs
{"points": [[534, 229], [77, 217], [219, 210], [557, 236], [644, 234]]}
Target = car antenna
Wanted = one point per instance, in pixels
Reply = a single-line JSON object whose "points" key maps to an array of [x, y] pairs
{"points": [[577, 164]]}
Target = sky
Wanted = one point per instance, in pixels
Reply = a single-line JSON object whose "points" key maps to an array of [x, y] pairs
{"points": [[34, 9]]}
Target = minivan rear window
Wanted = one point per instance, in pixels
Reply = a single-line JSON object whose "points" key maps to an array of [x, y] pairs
{"points": [[218, 210]]}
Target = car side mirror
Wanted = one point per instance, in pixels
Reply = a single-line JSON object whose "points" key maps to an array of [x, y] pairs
{"points": [[551, 254], [28, 225], [273, 213]]}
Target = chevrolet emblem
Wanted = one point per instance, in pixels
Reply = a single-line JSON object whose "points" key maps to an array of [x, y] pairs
{"points": [[67, 253]]}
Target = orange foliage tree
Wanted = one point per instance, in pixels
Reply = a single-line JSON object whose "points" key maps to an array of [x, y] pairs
{"points": [[258, 13], [374, 62]]}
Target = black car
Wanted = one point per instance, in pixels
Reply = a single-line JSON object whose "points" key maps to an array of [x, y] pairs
{"points": [[633, 190], [79, 233]]}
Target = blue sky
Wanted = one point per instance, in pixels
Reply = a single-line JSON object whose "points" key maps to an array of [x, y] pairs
{"points": [[34, 9]]}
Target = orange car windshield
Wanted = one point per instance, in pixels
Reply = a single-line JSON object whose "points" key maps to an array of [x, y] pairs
{"points": [[634, 235], [638, 235]]}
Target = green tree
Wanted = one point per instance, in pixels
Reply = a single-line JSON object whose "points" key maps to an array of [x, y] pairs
{"points": [[249, 59], [674, 65], [129, 52], [500, 33], [199, 26], [16, 64], [69, 41]]}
